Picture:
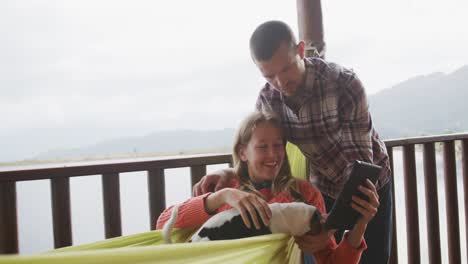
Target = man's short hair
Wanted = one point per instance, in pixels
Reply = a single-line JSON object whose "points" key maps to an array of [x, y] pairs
{"points": [[267, 38]]}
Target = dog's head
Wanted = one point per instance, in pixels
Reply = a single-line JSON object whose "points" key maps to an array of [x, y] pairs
{"points": [[295, 218], [316, 225]]}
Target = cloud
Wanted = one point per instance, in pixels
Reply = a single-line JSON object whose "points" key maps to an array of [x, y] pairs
{"points": [[107, 68]]}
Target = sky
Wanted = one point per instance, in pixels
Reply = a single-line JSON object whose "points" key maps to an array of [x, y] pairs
{"points": [[73, 73]]}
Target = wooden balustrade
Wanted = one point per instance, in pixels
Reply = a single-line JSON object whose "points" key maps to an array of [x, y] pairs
{"points": [[110, 170], [61, 212], [411, 199], [432, 206], [111, 201]]}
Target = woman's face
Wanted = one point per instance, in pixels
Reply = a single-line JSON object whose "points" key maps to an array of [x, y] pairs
{"points": [[264, 153]]}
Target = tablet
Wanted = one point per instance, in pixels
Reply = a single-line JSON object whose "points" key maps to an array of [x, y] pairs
{"points": [[342, 215]]}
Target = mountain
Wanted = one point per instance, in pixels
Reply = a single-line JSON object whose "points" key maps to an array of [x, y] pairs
{"points": [[170, 142], [423, 105]]}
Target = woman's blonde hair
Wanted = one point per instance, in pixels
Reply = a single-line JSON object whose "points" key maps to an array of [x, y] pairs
{"points": [[284, 180]]}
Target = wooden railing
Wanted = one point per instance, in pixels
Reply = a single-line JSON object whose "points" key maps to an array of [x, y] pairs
{"points": [[109, 171], [431, 196]]}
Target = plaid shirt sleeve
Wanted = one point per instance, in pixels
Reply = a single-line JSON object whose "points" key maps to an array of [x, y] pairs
{"points": [[355, 119]]}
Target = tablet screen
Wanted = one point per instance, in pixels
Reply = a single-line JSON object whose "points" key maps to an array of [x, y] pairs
{"points": [[342, 215]]}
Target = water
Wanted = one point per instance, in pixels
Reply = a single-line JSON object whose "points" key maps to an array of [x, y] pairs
{"points": [[35, 215]]}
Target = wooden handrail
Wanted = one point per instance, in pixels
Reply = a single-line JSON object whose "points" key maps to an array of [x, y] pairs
{"points": [[424, 139], [111, 166]]}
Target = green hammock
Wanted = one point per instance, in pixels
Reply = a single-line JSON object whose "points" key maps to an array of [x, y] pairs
{"points": [[145, 248]]}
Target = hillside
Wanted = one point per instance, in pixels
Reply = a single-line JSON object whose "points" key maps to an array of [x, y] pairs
{"points": [[423, 105]]}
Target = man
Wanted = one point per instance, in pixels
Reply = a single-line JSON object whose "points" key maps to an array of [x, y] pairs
{"points": [[325, 112]]}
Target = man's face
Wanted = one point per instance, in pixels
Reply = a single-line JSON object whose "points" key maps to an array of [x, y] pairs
{"points": [[285, 71]]}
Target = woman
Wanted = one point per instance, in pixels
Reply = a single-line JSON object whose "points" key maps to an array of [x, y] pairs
{"points": [[263, 176]]}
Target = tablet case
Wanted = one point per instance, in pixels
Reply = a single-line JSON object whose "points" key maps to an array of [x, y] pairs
{"points": [[342, 215]]}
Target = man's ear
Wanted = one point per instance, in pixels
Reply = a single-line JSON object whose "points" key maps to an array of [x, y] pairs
{"points": [[301, 49]]}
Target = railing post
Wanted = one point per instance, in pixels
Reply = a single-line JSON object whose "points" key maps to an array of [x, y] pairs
{"points": [[156, 195], [394, 248], [411, 200], [196, 173], [8, 218], [432, 205], [451, 201], [464, 145], [111, 201], [60, 192]]}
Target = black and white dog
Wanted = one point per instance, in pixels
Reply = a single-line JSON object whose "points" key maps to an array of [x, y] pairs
{"points": [[290, 218]]}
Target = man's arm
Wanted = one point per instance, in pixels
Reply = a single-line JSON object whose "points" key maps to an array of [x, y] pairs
{"points": [[214, 181], [355, 118]]}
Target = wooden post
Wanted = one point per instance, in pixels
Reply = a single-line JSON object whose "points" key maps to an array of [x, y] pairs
{"points": [[8, 218], [451, 202], [309, 16], [432, 205], [394, 249], [61, 211], [411, 204], [111, 200], [196, 173], [156, 195]]}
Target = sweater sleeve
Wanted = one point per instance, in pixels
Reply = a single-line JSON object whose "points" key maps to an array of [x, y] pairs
{"points": [[191, 213], [342, 253]]}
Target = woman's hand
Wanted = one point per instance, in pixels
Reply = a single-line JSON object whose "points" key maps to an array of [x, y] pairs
{"points": [[367, 209], [246, 203], [314, 243]]}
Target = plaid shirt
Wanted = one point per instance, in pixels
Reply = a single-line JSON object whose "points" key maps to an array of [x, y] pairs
{"points": [[329, 120]]}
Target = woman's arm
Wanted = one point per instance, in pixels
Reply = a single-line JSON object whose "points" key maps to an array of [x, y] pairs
{"points": [[191, 213], [197, 210]]}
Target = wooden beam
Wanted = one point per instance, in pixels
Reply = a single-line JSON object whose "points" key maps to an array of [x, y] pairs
{"points": [[451, 202], [394, 248], [111, 200], [411, 204], [196, 173], [309, 16], [156, 195], [8, 219], [432, 203], [60, 192]]}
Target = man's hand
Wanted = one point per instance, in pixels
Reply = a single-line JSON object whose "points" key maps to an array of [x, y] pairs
{"points": [[213, 182]]}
